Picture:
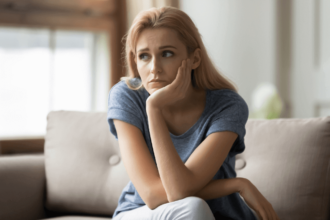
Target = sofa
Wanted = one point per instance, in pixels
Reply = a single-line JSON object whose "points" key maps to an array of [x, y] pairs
{"points": [[80, 174]]}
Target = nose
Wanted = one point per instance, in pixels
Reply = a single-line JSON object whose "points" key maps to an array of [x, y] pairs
{"points": [[155, 66]]}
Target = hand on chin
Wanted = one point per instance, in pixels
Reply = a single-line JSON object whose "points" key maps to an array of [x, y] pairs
{"points": [[169, 94]]}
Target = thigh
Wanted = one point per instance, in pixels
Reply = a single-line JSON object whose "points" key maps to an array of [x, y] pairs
{"points": [[192, 208]]}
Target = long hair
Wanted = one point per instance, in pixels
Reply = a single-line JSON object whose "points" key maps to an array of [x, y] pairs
{"points": [[205, 76]]}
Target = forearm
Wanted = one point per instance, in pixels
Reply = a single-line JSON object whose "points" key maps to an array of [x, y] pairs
{"points": [[219, 188], [159, 196], [214, 189], [174, 174]]}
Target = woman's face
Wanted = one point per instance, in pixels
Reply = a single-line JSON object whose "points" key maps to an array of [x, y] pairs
{"points": [[159, 54]]}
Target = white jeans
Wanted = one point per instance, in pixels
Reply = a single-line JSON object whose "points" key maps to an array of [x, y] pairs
{"points": [[192, 208]]}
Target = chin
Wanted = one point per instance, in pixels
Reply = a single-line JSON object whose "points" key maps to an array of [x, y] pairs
{"points": [[153, 89]]}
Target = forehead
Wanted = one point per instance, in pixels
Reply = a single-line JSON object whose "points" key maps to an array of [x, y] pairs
{"points": [[158, 37]]}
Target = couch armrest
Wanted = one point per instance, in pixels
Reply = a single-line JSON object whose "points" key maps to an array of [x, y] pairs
{"points": [[22, 187]]}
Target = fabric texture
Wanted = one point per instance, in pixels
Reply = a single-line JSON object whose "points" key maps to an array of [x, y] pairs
{"points": [[22, 185], [288, 160], [225, 110], [84, 173], [192, 208]]}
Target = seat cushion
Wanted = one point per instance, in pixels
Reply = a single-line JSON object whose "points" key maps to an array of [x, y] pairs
{"points": [[84, 171], [288, 160]]}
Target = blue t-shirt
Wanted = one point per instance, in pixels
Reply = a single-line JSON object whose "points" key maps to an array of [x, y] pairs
{"points": [[225, 110]]}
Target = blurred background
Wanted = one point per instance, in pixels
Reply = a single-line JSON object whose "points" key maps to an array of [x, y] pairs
{"points": [[66, 55]]}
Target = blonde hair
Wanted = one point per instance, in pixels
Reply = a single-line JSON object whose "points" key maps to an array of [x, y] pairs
{"points": [[205, 75]]}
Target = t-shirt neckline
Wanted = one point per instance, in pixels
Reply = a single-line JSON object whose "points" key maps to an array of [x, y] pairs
{"points": [[195, 126]]}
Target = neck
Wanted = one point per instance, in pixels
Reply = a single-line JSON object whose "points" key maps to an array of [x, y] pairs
{"points": [[192, 99]]}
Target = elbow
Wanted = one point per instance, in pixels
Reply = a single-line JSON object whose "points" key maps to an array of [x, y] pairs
{"points": [[150, 206], [183, 191], [171, 198], [182, 194], [154, 199], [177, 196], [150, 201]]}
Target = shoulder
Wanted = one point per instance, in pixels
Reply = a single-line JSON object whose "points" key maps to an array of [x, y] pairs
{"points": [[121, 88], [126, 105], [227, 102], [121, 93], [226, 95]]}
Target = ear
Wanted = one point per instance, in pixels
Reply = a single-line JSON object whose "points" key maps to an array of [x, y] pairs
{"points": [[196, 58]]}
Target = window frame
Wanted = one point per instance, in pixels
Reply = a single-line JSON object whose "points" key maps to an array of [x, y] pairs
{"points": [[81, 15]]}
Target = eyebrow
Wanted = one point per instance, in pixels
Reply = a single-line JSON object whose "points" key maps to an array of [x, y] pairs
{"points": [[162, 47]]}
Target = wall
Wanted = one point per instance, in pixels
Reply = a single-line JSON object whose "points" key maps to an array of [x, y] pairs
{"points": [[284, 42], [239, 36]]}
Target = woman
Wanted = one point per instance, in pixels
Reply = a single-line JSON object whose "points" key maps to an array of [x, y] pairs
{"points": [[179, 124]]}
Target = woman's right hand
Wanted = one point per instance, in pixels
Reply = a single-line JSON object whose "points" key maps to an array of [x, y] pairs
{"points": [[256, 201]]}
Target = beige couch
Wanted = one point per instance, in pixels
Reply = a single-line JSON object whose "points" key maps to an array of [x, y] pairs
{"points": [[81, 175]]}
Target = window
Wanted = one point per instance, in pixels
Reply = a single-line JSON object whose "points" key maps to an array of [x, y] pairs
{"points": [[43, 70]]}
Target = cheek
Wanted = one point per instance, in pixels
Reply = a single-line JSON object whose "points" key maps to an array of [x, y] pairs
{"points": [[139, 69]]}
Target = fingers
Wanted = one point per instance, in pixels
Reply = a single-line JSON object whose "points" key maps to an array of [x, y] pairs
{"points": [[256, 201], [272, 212], [268, 213], [183, 78], [264, 210], [179, 77], [267, 210], [187, 77]]}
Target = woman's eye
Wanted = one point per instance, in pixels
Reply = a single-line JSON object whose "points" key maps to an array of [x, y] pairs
{"points": [[165, 53], [168, 52], [141, 56]]}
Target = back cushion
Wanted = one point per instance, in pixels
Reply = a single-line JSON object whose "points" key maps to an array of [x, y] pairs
{"points": [[84, 172], [288, 160]]}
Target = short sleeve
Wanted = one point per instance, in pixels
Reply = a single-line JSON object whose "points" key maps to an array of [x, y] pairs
{"points": [[124, 104], [232, 117]]}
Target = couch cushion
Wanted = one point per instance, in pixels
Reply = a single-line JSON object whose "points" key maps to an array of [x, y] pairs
{"points": [[84, 171], [22, 184], [288, 160]]}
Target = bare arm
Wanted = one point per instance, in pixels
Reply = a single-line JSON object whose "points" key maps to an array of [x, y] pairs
{"points": [[219, 188], [224, 187], [179, 179], [214, 189]]}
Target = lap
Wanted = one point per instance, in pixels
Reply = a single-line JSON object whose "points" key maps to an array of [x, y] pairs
{"points": [[188, 208]]}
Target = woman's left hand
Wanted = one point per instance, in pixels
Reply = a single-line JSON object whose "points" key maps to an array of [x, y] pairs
{"points": [[175, 91], [256, 201]]}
